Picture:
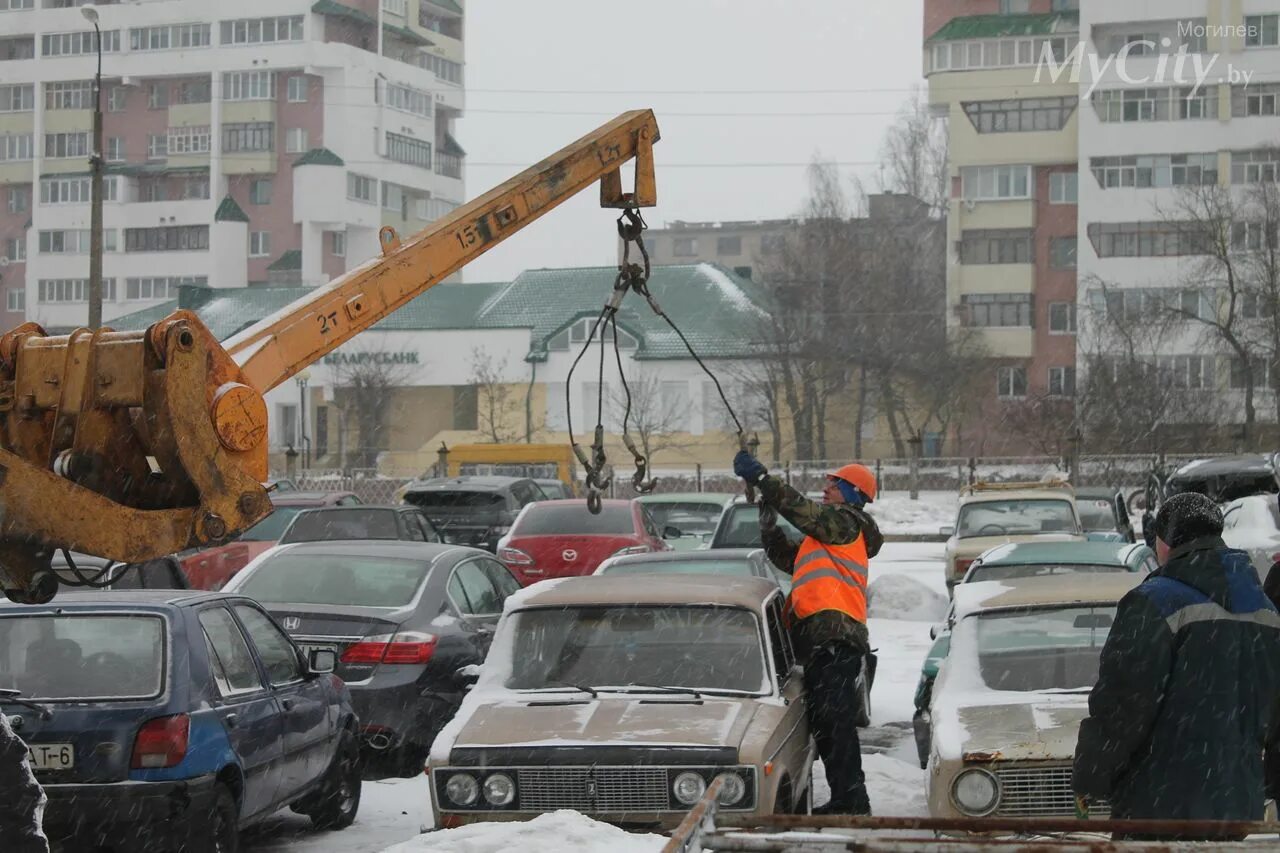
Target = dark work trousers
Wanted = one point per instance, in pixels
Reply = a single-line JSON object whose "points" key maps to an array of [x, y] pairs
{"points": [[830, 679]]}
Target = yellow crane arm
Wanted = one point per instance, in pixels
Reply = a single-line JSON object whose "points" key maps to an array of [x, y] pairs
{"points": [[133, 445], [275, 348]]}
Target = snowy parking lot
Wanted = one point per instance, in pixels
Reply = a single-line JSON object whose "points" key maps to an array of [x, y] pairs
{"points": [[907, 592]]}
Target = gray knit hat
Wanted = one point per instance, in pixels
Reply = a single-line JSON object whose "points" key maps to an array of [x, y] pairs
{"points": [[1188, 516]]}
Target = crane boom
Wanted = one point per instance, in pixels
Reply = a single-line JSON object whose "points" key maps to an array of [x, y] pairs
{"points": [[133, 445]]}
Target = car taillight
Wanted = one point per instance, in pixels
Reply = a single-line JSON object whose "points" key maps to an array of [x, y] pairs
{"points": [[1275, 558], [631, 549], [514, 557], [408, 647], [962, 566], [161, 742]]}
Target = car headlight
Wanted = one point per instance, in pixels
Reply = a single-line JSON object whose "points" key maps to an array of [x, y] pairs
{"points": [[976, 792], [462, 789], [733, 790], [499, 790], [689, 788]]}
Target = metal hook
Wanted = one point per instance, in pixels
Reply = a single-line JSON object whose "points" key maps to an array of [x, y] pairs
{"points": [[642, 468], [594, 503]]}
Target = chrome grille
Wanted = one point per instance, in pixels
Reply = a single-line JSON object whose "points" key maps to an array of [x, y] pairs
{"points": [[638, 789], [1040, 792]]}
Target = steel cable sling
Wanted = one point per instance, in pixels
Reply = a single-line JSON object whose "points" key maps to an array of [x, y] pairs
{"points": [[631, 227]]}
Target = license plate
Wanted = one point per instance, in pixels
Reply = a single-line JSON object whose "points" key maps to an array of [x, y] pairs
{"points": [[52, 756]]}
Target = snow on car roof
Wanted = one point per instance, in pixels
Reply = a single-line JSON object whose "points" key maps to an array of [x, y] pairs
{"points": [[641, 590], [1047, 591]]}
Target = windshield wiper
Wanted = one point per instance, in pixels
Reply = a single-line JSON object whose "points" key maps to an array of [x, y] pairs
{"points": [[579, 687], [661, 689], [14, 697]]}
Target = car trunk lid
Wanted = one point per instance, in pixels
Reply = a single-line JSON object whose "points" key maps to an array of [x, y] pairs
{"points": [[338, 627], [567, 555]]}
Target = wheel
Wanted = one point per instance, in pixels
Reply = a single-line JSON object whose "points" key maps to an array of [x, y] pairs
{"points": [[338, 800], [782, 804], [221, 834]]}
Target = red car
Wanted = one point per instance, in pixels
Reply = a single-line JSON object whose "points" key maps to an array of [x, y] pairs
{"points": [[556, 539], [211, 568]]}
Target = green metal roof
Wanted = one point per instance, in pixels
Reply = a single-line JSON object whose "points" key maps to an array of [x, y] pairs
{"points": [[319, 157], [455, 305], [338, 10], [1062, 553], [290, 260], [224, 311], [997, 26], [229, 211], [451, 146], [717, 310], [406, 34]]}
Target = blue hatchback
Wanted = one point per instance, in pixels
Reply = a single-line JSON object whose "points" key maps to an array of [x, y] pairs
{"points": [[170, 718]]}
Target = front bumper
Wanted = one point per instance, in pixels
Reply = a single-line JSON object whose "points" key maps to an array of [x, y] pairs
{"points": [[137, 815]]}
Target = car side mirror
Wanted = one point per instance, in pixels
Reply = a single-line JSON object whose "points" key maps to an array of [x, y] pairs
{"points": [[947, 531], [467, 676], [670, 532], [322, 661], [933, 632]]}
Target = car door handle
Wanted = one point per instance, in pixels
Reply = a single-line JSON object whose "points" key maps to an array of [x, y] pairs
{"points": [[287, 704], [231, 720]]}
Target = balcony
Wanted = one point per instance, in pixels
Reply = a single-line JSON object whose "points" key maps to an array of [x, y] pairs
{"points": [[449, 165]]}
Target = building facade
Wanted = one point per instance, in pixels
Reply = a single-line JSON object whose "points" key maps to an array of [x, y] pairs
{"points": [[246, 143]]}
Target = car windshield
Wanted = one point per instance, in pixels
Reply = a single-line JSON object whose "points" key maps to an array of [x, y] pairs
{"points": [[1037, 570], [576, 520], [1096, 515], [82, 656], [1043, 648], [1016, 518], [705, 648], [313, 578], [740, 528], [456, 500], [271, 527], [354, 523], [692, 518], [740, 567]]}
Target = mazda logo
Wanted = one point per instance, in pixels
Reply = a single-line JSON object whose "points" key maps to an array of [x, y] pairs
{"points": [[292, 623], [569, 554]]}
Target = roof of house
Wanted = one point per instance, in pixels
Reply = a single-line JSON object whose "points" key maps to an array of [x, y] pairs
{"points": [[330, 7], [996, 26], [229, 211], [318, 157], [289, 260]]}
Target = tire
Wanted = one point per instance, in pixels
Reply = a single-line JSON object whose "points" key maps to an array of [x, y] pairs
{"points": [[221, 833], [338, 800]]}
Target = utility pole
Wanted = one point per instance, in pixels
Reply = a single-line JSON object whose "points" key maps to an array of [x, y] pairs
{"points": [[96, 163]]}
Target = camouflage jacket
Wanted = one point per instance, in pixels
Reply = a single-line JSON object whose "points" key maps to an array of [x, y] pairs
{"points": [[834, 524]]}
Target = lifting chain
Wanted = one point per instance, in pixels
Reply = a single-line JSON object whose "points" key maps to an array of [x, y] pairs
{"points": [[631, 276]]}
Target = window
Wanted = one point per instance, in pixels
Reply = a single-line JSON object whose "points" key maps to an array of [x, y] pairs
{"points": [[1002, 246], [261, 30], [997, 310], [157, 96], [16, 299], [1063, 187], [728, 245], [1197, 103], [1260, 373], [19, 198], [1015, 7], [685, 247], [194, 92], [472, 591], [1186, 371], [338, 243], [161, 287], [66, 144], [1062, 318], [78, 43], [997, 53], [409, 100], [1147, 239], [676, 405], [287, 418], [1255, 167], [16, 5], [1011, 382], [1062, 381], [115, 149], [392, 197], [1253, 236], [295, 140], [196, 186], [75, 95], [72, 289], [172, 37], [1262, 30], [249, 136], [296, 90], [157, 146], [18, 98], [17, 48], [74, 190], [1062, 253], [248, 86], [1130, 105], [1156, 170], [1020, 116], [73, 242], [1257, 99], [15, 249], [404, 149], [361, 188], [277, 652], [117, 99], [260, 191], [1136, 305], [396, 7], [171, 238], [188, 140], [1194, 35], [259, 244], [233, 668], [15, 146], [431, 209], [993, 183]]}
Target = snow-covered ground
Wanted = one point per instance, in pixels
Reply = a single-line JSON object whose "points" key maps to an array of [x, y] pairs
{"points": [[898, 515], [906, 580]]}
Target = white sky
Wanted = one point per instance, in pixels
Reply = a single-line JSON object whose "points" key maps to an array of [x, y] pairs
{"points": [[859, 59]]}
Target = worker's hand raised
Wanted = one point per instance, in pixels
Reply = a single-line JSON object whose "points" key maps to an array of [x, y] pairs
{"points": [[748, 467]]}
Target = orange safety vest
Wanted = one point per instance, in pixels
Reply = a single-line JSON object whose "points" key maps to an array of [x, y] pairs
{"points": [[829, 577]]}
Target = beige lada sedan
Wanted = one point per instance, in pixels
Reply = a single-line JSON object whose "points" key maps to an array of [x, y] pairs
{"points": [[625, 697], [1010, 696]]}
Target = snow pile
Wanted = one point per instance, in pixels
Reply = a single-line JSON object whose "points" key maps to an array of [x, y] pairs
{"points": [[904, 598], [897, 514], [897, 788], [728, 288], [547, 833]]}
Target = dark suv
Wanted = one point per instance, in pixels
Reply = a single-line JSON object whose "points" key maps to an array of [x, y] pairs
{"points": [[474, 511]]}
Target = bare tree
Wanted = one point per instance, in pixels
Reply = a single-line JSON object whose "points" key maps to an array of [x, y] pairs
{"points": [[365, 383], [914, 155], [500, 405]]}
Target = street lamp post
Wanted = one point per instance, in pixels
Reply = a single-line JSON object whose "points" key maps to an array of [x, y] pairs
{"points": [[95, 163], [302, 379]]}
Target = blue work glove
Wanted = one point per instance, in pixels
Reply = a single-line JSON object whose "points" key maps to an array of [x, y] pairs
{"points": [[748, 467]]}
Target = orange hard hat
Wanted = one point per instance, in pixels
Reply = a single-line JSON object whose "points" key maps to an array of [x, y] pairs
{"points": [[859, 476]]}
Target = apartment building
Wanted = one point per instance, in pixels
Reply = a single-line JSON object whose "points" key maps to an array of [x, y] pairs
{"points": [[246, 143]]}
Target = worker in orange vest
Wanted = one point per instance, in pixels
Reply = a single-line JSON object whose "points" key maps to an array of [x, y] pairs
{"points": [[827, 608]]}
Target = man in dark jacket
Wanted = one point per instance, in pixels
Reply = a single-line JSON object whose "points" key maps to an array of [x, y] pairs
{"points": [[1188, 682], [22, 800], [827, 609]]}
